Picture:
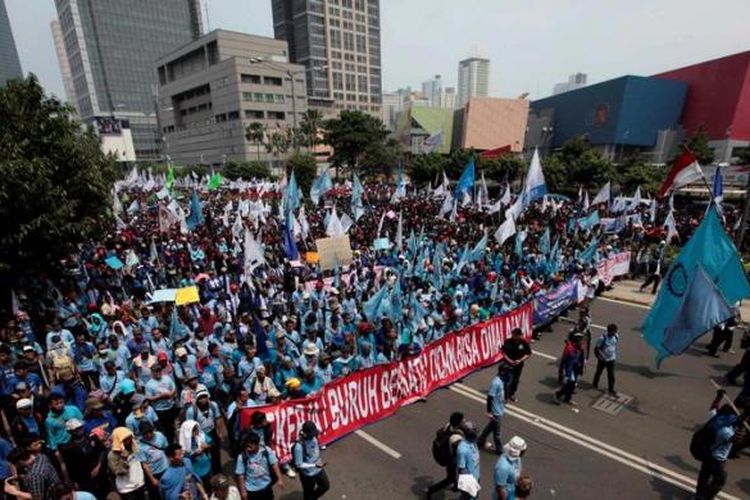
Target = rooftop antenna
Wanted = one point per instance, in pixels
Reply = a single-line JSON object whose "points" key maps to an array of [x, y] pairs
{"points": [[208, 22]]}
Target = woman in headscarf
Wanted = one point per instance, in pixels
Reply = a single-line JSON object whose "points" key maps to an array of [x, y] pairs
{"points": [[196, 444]]}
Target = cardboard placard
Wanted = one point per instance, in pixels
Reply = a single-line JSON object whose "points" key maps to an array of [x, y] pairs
{"points": [[334, 251], [187, 295]]}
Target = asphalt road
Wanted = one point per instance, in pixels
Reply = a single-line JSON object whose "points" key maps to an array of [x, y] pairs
{"points": [[573, 452]]}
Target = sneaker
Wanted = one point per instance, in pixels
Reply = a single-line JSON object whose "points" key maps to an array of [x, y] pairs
{"points": [[489, 446], [613, 394], [514, 399], [571, 403], [290, 472]]}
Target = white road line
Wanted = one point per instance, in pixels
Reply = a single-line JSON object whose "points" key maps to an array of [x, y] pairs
{"points": [[633, 461], [544, 355], [378, 444], [624, 303], [568, 320]]}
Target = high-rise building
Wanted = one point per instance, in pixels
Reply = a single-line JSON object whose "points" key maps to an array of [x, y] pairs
{"points": [[575, 81], [447, 98], [431, 90], [10, 67], [338, 41], [63, 61], [111, 47], [473, 79], [391, 106]]}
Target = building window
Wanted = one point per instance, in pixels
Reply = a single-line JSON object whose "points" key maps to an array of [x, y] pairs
{"points": [[276, 115], [338, 82], [272, 80], [233, 115], [247, 96], [278, 98], [255, 114], [269, 97], [258, 97], [253, 79], [221, 118]]}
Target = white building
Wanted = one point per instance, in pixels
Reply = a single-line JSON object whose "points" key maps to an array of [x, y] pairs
{"points": [[431, 90], [473, 79]]}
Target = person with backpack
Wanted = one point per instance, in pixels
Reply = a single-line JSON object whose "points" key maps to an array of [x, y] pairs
{"points": [[307, 461], [444, 452], [467, 462], [257, 470], [711, 445]]}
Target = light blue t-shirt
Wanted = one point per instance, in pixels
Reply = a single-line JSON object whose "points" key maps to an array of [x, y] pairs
{"points": [[497, 393], [55, 424], [152, 453], [506, 474], [467, 458], [256, 468], [157, 387], [172, 483], [607, 345], [722, 443], [307, 453], [84, 495]]}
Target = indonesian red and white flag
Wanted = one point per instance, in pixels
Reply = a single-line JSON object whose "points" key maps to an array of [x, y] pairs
{"points": [[684, 171]]}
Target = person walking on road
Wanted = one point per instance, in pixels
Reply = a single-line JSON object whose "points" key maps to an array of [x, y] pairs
{"points": [[606, 354], [508, 469], [655, 268], [495, 412], [570, 367], [467, 457], [516, 350], [723, 333], [444, 451], [743, 367], [307, 461], [713, 476], [256, 470]]}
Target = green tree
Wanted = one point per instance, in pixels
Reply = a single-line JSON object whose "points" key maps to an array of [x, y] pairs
{"points": [[743, 156], [55, 182], [233, 170], [576, 164], [311, 126], [305, 169], [351, 135], [381, 159], [255, 133], [636, 172], [506, 168], [698, 144], [279, 142], [426, 168]]}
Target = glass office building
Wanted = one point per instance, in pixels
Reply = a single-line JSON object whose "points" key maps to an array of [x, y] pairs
{"points": [[9, 65], [112, 46]]}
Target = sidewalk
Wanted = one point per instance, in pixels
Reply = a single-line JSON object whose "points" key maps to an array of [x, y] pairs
{"points": [[628, 291]]}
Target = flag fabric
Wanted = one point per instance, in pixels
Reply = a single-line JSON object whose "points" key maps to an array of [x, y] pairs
{"points": [[433, 143], [400, 233], [495, 207], [483, 194], [671, 227], [447, 205], [535, 186], [253, 253], [134, 207], [589, 254], [477, 253], [505, 231], [636, 200], [400, 191], [515, 210], [320, 186], [544, 241], [292, 198], [603, 195], [334, 226], [652, 211], [356, 203], [703, 307], [170, 178], [466, 181], [195, 218], [718, 186], [380, 224], [586, 199], [711, 247], [215, 181], [290, 246], [518, 248], [684, 171], [506, 199], [377, 305], [116, 203]]}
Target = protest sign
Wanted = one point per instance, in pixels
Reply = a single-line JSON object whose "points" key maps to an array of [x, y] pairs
{"points": [[187, 295], [114, 262], [366, 396], [163, 295], [334, 251], [381, 244], [312, 257], [549, 306], [616, 265]]}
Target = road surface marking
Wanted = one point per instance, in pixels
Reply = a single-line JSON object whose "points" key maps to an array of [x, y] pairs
{"points": [[624, 303], [568, 320], [378, 444], [544, 355], [633, 461]]}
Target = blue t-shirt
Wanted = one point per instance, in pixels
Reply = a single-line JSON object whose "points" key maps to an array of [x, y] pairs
{"points": [[307, 453], [152, 453], [467, 458], [497, 393], [172, 483], [55, 424], [722, 443], [256, 468], [607, 345], [506, 474], [158, 387]]}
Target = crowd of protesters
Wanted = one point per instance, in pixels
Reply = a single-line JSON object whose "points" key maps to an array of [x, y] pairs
{"points": [[106, 391]]}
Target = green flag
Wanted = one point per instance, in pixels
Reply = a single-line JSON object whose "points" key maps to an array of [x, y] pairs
{"points": [[215, 181], [170, 177]]}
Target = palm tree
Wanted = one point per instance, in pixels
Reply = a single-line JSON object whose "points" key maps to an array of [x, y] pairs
{"points": [[255, 133], [312, 122]]}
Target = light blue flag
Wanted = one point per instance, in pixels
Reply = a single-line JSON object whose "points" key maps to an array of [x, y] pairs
{"points": [[520, 237], [493, 293], [463, 259], [535, 186], [544, 242], [320, 186], [477, 253], [711, 247], [400, 186], [703, 307], [356, 204], [437, 257], [418, 311], [588, 255], [196, 212], [377, 304], [291, 195], [411, 243], [396, 310], [466, 182]]}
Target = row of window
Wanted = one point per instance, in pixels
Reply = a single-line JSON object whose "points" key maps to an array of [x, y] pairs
{"points": [[196, 109], [260, 97], [262, 80], [257, 114]]}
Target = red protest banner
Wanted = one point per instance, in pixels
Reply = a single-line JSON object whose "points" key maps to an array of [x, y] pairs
{"points": [[367, 396]]}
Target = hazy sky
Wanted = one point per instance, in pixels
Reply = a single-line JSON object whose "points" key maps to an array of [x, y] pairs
{"points": [[532, 44]]}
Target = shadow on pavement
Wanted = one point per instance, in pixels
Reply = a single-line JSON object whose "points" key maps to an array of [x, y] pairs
{"points": [[292, 495], [550, 382], [668, 491], [643, 371], [422, 482], [679, 462], [744, 486], [722, 368]]}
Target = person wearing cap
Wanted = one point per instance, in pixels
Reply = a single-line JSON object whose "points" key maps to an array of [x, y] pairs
{"points": [[256, 469], [260, 386], [467, 454], [59, 413], [209, 418], [161, 391], [126, 465], [190, 388], [223, 488], [96, 416], [141, 411], [79, 456], [26, 421], [110, 378], [284, 347], [183, 364], [495, 409], [310, 353], [307, 461], [180, 479], [508, 469], [121, 403], [151, 447]]}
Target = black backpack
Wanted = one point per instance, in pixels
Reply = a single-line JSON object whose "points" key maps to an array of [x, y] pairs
{"points": [[441, 446], [702, 441]]}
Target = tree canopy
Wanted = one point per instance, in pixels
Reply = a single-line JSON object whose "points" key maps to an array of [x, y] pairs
{"points": [[233, 170], [352, 135], [55, 182], [305, 169]]}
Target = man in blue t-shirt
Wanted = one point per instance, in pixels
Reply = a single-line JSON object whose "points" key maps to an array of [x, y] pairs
{"points": [[495, 412], [256, 467], [179, 478], [306, 452], [467, 454], [606, 354], [508, 469], [713, 476]]}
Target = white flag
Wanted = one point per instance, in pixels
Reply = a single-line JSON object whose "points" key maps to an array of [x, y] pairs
{"points": [[334, 227], [495, 208], [447, 204], [253, 253], [652, 211], [346, 223], [515, 210], [400, 233], [671, 227], [302, 218], [116, 203], [505, 200], [380, 224], [505, 231], [586, 200], [603, 195]]}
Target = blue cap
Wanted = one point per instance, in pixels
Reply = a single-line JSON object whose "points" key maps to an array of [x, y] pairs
{"points": [[127, 386]]}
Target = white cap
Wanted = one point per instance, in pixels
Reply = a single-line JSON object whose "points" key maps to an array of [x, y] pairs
{"points": [[24, 403], [73, 424], [515, 446]]}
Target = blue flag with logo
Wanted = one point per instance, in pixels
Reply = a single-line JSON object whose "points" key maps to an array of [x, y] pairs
{"points": [[378, 305], [589, 253], [466, 182], [710, 247]]}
